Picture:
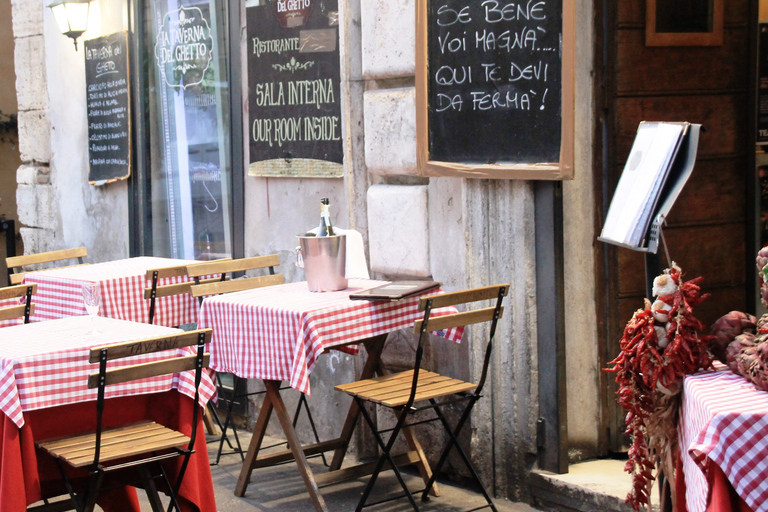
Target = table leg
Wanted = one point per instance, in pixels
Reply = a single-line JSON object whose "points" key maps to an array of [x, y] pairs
{"points": [[273, 401], [253, 448]]}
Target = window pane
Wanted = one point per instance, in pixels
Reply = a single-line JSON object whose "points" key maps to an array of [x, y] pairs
{"points": [[683, 16], [189, 128]]}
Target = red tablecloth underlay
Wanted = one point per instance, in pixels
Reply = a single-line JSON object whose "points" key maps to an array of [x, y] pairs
{"points": [[723, 497], [37, 475]]}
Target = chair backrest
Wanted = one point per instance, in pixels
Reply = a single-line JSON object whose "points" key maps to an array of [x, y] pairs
{"points": [[174, 362], [156, 290], [201, 289], [429, 323], [15, 264], [15, 292]]}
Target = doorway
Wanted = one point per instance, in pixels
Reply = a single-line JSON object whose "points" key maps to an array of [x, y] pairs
{"points": [[710, 231]]}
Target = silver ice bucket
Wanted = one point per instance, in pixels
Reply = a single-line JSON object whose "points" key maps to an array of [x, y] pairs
{"points": [[324, 260]]}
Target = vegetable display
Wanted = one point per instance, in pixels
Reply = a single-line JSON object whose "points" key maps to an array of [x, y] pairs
{"points": [[740, 341], [660, 345]]}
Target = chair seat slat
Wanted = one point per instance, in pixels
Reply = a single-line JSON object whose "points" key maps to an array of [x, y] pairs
{"points": [[116, 444], [236, 285], [439, 323], [462, 297], [46, 257], [147, 370], [15, 311], [236, 265]]}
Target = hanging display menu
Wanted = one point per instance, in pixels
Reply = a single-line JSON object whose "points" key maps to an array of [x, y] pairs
{"points": [[495, 89], [294, 88], [108, 108]]}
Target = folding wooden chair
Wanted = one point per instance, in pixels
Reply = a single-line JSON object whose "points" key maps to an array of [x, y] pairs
{"points": [[141, 446], [202, 290], [16, 264], [16, 292], [401, 391], [156, 290]]}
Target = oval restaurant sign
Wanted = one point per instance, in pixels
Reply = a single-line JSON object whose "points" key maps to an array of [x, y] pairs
{"points": [[184, 47]]}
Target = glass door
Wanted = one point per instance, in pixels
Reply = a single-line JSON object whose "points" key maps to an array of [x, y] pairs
{"points": [[189, 128]]}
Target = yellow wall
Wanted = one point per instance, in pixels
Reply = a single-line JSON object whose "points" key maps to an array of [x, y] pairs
{"points": [[763, 10]]}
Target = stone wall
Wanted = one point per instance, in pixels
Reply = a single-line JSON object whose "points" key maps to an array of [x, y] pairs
{"points": [[36, 206]]}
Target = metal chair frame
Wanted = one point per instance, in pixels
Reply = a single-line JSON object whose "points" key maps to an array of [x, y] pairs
{"points": [[86, 501], [470, 398]]}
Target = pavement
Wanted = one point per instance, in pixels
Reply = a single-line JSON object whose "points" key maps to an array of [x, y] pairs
{"points": [[281, 489]]}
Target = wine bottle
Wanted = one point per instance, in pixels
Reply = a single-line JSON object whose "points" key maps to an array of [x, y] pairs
{"points": [[325, 229]]}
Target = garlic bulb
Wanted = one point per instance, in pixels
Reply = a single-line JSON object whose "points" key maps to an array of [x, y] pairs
{"points": [[664, 285], [660, 310]]}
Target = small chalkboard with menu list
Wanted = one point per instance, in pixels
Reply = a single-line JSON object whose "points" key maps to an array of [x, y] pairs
{"points": [[108, 108], [495, 88]]}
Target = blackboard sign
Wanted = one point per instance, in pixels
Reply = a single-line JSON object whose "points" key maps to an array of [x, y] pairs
{"points": [[294, 88], [108, 108], [762, 86], [495, 88]]}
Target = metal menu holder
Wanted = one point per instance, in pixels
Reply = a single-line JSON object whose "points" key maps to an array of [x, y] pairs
{"points": [[657, 169]]}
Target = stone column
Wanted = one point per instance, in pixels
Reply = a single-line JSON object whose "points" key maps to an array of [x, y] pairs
{"points": [[36, 202]]}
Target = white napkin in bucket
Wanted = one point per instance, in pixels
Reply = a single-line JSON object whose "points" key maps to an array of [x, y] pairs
{"points": [[355, 265]]}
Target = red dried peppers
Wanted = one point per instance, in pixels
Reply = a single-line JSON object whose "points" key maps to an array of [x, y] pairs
{"points": [[659, 347]]}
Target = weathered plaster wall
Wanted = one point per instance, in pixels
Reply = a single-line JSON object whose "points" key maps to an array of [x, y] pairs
{"points": [[57, 206], [9, 142], [582, 359], [94, 216]]}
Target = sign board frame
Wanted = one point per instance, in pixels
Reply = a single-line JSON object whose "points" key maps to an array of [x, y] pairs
{"points": [[290, 44], [560, 170]]}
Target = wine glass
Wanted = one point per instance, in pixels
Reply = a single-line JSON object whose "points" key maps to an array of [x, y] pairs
{"points": [[92, 300]]}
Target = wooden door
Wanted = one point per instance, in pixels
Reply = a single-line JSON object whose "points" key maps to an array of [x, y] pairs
{"points": [[707, 232]]}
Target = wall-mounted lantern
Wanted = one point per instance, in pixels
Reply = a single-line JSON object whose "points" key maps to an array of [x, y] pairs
{"points": [[71, 17]]}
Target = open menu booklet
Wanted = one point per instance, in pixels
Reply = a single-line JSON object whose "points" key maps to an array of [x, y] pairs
{"points": [[395, 290]]}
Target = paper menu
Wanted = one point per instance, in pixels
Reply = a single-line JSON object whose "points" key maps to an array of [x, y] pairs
{"points": [[641, 182]]}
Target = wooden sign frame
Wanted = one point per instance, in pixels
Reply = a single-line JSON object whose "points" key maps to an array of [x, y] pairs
{"points": [[561, 170], [713, 38], [127, 116]]}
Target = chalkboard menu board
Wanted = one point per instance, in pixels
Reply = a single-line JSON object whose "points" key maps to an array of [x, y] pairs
{"points": [[495, 88], [294, 88], [108, 108]]}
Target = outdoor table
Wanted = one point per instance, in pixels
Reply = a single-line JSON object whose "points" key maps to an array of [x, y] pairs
{"points": [[122, 283], [277, 333], [43, 394], [723, 439]]}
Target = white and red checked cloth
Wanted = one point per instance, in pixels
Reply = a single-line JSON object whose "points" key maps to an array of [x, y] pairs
{"points": [[122, 282], [12, 321], [45, 364], [278, 332], [724, 421]]}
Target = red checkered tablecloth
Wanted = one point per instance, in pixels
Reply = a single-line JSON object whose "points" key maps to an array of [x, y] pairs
{"points": [[724, 421], [45, 364], [13, 321], [59, 292], [278, 332]]}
